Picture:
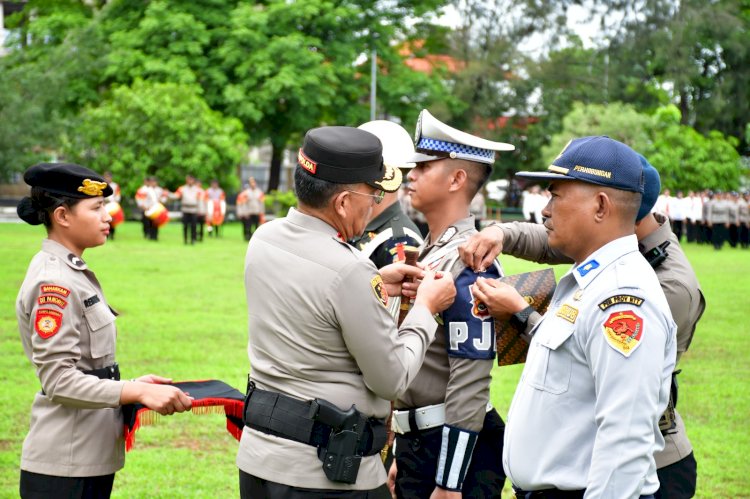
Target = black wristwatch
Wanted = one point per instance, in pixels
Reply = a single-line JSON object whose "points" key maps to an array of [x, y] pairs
{"points": [[521, 319]]}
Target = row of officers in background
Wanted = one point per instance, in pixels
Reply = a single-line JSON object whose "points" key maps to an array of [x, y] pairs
{"points": [[202, 210], [708, 217]]}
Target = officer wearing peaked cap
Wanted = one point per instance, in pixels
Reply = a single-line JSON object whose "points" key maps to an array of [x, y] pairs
{"points": [[389, 226], [448, 437], [325, 355], [75, 443], [601, 358]]}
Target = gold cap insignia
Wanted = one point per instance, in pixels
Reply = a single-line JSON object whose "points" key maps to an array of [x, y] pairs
{"points": [[92, 187]]}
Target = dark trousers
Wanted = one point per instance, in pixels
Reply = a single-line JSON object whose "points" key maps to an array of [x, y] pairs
{"points": [[733, 235], [677, 481], [417, 455], [37, 486], [252, 487], [250, 224], [744, 235], [189, 225], [677, 228], [692, 230], [719, 235]]}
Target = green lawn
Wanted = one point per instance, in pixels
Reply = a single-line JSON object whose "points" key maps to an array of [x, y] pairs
{"points": [[182, 314]]}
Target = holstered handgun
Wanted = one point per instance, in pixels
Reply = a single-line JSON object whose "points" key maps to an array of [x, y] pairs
{"points": [[341, 457], [668, 420]]}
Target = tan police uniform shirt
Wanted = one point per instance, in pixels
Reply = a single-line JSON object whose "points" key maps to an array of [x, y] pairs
{"points": [[459, 382], [67, 327], [676, 278], [319, 329]]}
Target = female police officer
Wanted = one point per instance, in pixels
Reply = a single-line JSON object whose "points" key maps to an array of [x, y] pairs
{"points": [[75, 444]]}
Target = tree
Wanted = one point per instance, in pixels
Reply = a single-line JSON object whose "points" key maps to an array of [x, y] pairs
{"points": [[280, 67], [685, 159], [162, 129], [48, 73], [616, 120]]}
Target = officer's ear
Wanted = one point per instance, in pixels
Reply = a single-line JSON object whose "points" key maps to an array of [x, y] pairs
{"points": [[340, 201], [458, 178], [604, 206], [61, 216]]}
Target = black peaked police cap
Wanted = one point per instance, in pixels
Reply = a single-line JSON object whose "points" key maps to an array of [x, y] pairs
{"points": [[67, 179], [346, 155]]}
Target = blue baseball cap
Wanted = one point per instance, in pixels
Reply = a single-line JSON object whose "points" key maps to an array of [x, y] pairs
{"points": [[651, 188], [596, 160]]}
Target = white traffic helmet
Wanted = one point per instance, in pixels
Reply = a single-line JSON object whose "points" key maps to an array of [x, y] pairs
{"points": [[397, 144]]}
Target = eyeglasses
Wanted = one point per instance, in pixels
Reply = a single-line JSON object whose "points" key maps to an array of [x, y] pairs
{"points": [[378, 197]]}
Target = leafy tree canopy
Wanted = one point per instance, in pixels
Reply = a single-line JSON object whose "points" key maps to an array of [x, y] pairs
{"points": [[685, 159], [161, 129]]}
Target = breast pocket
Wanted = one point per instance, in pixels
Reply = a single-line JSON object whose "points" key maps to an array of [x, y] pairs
{"points": [[553, 362], [101, 323]]}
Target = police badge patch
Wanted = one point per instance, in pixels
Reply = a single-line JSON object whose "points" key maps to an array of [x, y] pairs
{"points": [[47, 322], [624, 331], [379, 289]]}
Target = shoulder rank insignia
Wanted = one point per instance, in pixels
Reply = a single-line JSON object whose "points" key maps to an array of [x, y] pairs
{"points": [[624, 331], [47, 322], [614, 300], [379, 289]]}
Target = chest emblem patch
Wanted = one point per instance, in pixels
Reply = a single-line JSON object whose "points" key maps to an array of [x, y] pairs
{"points": [[379, 289], [624, 331], [47, 322]]}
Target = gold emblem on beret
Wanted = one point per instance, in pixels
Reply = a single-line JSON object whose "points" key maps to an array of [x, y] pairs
{"points": [[92, 187]]}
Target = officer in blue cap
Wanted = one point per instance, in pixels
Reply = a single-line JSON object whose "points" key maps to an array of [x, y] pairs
{"points": [[676, 466], [601, 358]]}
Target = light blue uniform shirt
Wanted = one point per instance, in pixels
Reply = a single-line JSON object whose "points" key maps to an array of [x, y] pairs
{"points": [[597, 377]]}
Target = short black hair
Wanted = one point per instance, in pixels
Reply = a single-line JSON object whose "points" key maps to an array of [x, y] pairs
{"points": [[312, 191]]}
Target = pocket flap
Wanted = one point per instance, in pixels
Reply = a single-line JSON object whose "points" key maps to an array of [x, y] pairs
{"points": [[98, 316], [553, 337]]}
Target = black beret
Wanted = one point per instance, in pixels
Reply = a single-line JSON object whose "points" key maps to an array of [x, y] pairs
{"points": [[67, 179], [346, 155]]}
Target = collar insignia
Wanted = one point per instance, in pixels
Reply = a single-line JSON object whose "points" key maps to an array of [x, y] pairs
{"points": [[587, 267], [447, 235], [75, 260], [92, 187]]}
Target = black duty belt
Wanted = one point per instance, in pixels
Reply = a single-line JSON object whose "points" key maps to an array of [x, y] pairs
{"points": [[305, 421], [109, 372]]}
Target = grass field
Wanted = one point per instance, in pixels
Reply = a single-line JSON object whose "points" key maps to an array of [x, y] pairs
{"points": [[183, 315]]}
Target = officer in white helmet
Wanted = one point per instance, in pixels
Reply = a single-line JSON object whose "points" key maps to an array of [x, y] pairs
{"points": [[389, 229]]}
